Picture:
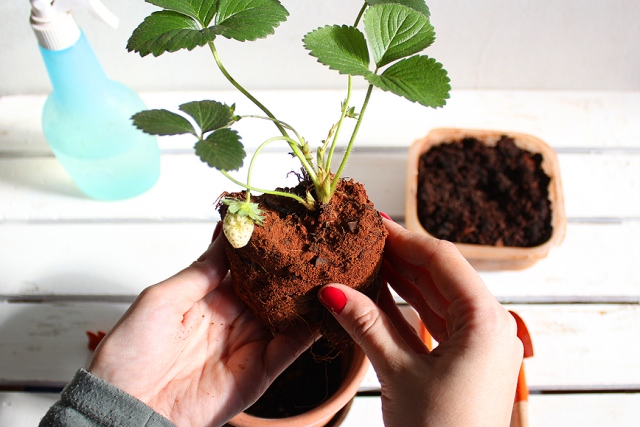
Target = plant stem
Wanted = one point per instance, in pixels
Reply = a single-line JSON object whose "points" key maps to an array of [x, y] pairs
{"points": [[347, 152], [268, 141], [324, 197], [364, 7], [237, 85], [334, 143], [259, 190], [292, 143], [283, 124]]}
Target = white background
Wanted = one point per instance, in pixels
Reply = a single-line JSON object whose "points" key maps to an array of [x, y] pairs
{"points": [[484, 44]]}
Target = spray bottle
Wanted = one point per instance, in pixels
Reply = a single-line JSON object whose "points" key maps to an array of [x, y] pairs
{"points": [[87, 117]]}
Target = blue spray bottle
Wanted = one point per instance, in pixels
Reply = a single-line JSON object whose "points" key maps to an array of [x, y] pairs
{"points": [[87, 117]]}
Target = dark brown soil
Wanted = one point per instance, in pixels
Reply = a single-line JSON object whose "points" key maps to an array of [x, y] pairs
{"points": [[304, 385], [295, 251], [469, 192]]}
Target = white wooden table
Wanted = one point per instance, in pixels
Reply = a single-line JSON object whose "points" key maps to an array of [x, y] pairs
{"points": [[70, 264]]}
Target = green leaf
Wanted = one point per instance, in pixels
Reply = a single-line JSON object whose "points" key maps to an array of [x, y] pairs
{"points": [[185, 23], [162, 122], [396, 31], [222, 150], [168, 31], [210, 115], [200, 10], [249, 19], [341, 48], [417, 5], [419, 79]]}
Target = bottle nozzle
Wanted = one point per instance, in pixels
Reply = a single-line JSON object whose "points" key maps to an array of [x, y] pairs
{"points": [[54, 26]]}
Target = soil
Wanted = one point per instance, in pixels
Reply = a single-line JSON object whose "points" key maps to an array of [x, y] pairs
{"points": [[295, 251], [304, 385], [469, 192]]}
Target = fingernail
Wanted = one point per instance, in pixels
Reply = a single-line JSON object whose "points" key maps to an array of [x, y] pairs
{"points": [[384, 215], [333, 298], [216, 231]]}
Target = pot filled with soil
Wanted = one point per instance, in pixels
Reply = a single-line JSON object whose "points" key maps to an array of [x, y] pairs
{"points": [[496, 195], [316, 390]]}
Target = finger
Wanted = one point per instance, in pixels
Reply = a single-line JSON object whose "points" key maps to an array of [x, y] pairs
{"points": [[406, 331], [452, 275], [415, 286], [433, 321], [369, 327], [196, 281], [216, 233]]}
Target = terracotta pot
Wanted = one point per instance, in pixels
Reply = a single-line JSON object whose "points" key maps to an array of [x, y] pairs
{"points": [[487, 257], [329, 413]]}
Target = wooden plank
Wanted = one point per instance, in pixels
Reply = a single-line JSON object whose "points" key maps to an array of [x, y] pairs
{"points": [[582, 346], [24, 409], [556, 410], [38, 189], [124, 257], [595, 260], [109, 259], [577, 347], [45, 344], [585, 410], [562, 118]]}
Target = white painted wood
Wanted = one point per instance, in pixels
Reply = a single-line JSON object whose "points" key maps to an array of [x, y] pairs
{"points": [[37, 188], [595, 260], [576, 346], [365, 411], [45, 344], [24, 409], [582, 345], [110, 258], [596, 410], [585, 410], [561, 118]]}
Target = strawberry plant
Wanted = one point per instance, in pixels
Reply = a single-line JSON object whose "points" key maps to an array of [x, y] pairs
{"points": [[382, 47]]}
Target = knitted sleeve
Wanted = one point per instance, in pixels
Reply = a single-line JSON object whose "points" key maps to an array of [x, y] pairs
{"points": [[88, 401]]}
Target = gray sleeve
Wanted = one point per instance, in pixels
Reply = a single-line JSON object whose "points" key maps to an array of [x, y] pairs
{"points": [[88, 401]]}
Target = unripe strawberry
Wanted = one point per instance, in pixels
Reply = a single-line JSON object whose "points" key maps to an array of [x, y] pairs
{"points": [[238, 229]]}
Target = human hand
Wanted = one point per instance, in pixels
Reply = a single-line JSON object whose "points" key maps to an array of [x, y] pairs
{"points": [[470, 378], [192, 351]]}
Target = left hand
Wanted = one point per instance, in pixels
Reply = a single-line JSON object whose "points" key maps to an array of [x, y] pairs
{"points": [[192, 351]]}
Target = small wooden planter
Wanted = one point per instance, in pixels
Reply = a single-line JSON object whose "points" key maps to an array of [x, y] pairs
{"points": [[487, 257]]}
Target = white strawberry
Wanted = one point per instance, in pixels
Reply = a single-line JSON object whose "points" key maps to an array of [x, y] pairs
{"points": [[239, 221], [238, 229]]}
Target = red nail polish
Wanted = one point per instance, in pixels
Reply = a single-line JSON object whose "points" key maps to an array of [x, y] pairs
{"points": [[333, 298], [384, 215]]}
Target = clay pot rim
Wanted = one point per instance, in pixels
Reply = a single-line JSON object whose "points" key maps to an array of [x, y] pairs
{"points": [[322, 414], [487, 257]]}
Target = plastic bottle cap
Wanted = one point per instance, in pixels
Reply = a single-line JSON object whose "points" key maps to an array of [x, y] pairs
{"points": [[56, 35], [54, 25]]}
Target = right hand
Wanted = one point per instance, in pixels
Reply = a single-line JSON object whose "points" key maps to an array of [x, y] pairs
{"points": [[470, 378]]}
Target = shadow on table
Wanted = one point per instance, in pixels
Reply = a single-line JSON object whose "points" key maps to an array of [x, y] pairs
{"points": [[42, 174]]}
